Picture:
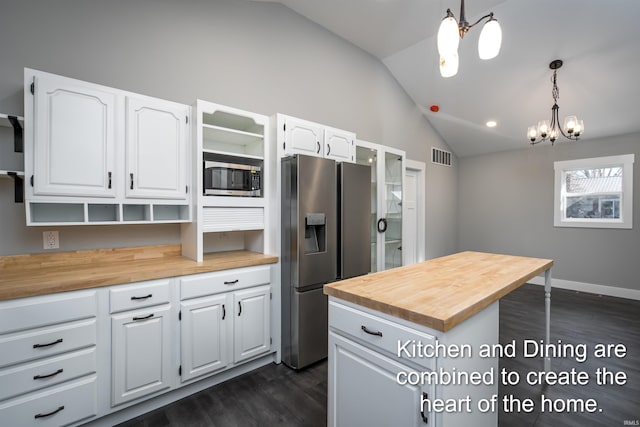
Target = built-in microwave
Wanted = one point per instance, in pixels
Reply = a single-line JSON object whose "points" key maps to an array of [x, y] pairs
{"points": [[230, 179]]}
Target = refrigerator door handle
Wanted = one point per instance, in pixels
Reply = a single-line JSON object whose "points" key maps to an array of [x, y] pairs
{"points": [[382, 225]]}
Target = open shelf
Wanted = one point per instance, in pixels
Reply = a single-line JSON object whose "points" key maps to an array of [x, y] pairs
{"points": [[232, 134], [232, 141], [70, 213], [227, 120]]}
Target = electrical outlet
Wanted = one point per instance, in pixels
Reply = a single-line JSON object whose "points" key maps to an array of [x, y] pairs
{"points": [[50, 240]]}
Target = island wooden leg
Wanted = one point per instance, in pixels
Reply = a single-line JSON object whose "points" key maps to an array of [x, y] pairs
{"points": [[547, 309]]}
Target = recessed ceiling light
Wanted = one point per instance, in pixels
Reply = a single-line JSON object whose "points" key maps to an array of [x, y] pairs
{"points": [[491, 124]]}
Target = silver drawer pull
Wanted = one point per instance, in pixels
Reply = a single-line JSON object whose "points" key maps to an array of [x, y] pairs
{"points": [[143, 317], [376, 333], [144, 297], [58, 341], [50, 413], [232, 282], [53, 374]]}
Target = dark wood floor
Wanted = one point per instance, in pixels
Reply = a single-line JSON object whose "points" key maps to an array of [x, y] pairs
{"points": [[277, 396]]}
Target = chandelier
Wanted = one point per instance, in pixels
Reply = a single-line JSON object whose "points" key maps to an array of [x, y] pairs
{"points": [[551, 130], [450, 33]]}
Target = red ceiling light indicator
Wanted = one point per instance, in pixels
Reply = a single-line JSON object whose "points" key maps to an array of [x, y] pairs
{"points": [[434, 108]]}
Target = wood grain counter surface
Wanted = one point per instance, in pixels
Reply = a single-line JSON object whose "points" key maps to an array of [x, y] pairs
{"points": [[443, 292], [39, 274]]}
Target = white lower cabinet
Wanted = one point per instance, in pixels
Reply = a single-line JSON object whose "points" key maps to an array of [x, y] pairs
{"points": [[77, 357], [48, 367], [206, 328], [367, 380], [226, 319], [251, 325], [369, 348], [140, 351], [363, 386]]}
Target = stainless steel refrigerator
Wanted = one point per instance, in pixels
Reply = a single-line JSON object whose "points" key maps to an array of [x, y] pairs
{"points": [[325, 236]]}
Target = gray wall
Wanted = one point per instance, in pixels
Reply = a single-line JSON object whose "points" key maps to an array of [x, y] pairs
{"points": [[506, 206], [261, 57]]}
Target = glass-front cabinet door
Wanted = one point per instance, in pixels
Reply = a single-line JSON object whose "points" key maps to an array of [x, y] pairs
{"points": [[387, 175], [393, 175]]}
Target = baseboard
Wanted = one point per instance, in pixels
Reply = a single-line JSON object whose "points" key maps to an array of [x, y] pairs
{"points": [[610, 291]]}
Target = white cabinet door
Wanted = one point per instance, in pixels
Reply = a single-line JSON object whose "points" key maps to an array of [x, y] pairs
{"points": [[303, 137], [251, 322], [205, 336], [339, 145], [156, 139], [141, 348], [367, 381], [74, 138]]}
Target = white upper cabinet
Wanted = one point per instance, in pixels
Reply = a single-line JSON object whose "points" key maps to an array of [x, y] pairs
{"points": [[303, 137], [339, 145], [156, 140], [100, 155], [74, 139], [297, 136]]}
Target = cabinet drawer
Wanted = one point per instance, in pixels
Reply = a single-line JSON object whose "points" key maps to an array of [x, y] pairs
{"points": [[379, 333], [46, 373], [59, 406], [45, 342], [223, 281], [145, 294], [35, 312]]}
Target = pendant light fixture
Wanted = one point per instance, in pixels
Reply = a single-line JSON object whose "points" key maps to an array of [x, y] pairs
{"points": [[551, 129], [451, 31]]}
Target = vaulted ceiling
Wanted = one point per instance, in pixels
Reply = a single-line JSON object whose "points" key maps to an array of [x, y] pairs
{"points": [[599, 42]]}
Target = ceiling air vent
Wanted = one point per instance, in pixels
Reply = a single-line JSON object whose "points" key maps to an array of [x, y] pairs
{"points": [[440, 157]]}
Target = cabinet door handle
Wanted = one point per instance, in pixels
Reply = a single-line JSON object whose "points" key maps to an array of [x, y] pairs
{"points": [[109, 175], [231, 282], [143, 317], [318, 152], [328, 149], [53, 374], [382, 225], [50, 413], [224, 312], [58, 341], [131, 184], [240, 308], [370, 332], [139, 298], [425, 418]]}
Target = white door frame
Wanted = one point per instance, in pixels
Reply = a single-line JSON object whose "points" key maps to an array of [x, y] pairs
{"points": [[414, 167]]}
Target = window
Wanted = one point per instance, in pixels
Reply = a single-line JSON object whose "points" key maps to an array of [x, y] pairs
{"points": [[594, 192]]}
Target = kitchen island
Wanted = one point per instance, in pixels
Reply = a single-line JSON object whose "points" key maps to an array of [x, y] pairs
{"points": [[404, 343]]}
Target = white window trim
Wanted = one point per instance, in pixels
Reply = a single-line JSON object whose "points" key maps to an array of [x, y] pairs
{"points": [[626, 213]]}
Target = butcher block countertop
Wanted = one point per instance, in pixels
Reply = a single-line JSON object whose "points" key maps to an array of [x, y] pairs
{"points": [[443, 292], [39, 274]]}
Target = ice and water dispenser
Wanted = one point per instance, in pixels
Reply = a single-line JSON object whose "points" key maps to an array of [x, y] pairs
{"points": [[315, 233]]}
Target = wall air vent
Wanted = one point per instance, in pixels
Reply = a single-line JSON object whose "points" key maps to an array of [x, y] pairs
{"points": [[440, 157]]}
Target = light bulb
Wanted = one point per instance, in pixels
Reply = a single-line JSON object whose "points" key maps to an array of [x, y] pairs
{"points": [[448, 36], [570, 123], [543, 128], [490, 40], [532, 133], [579, 128], [449, 65]]}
